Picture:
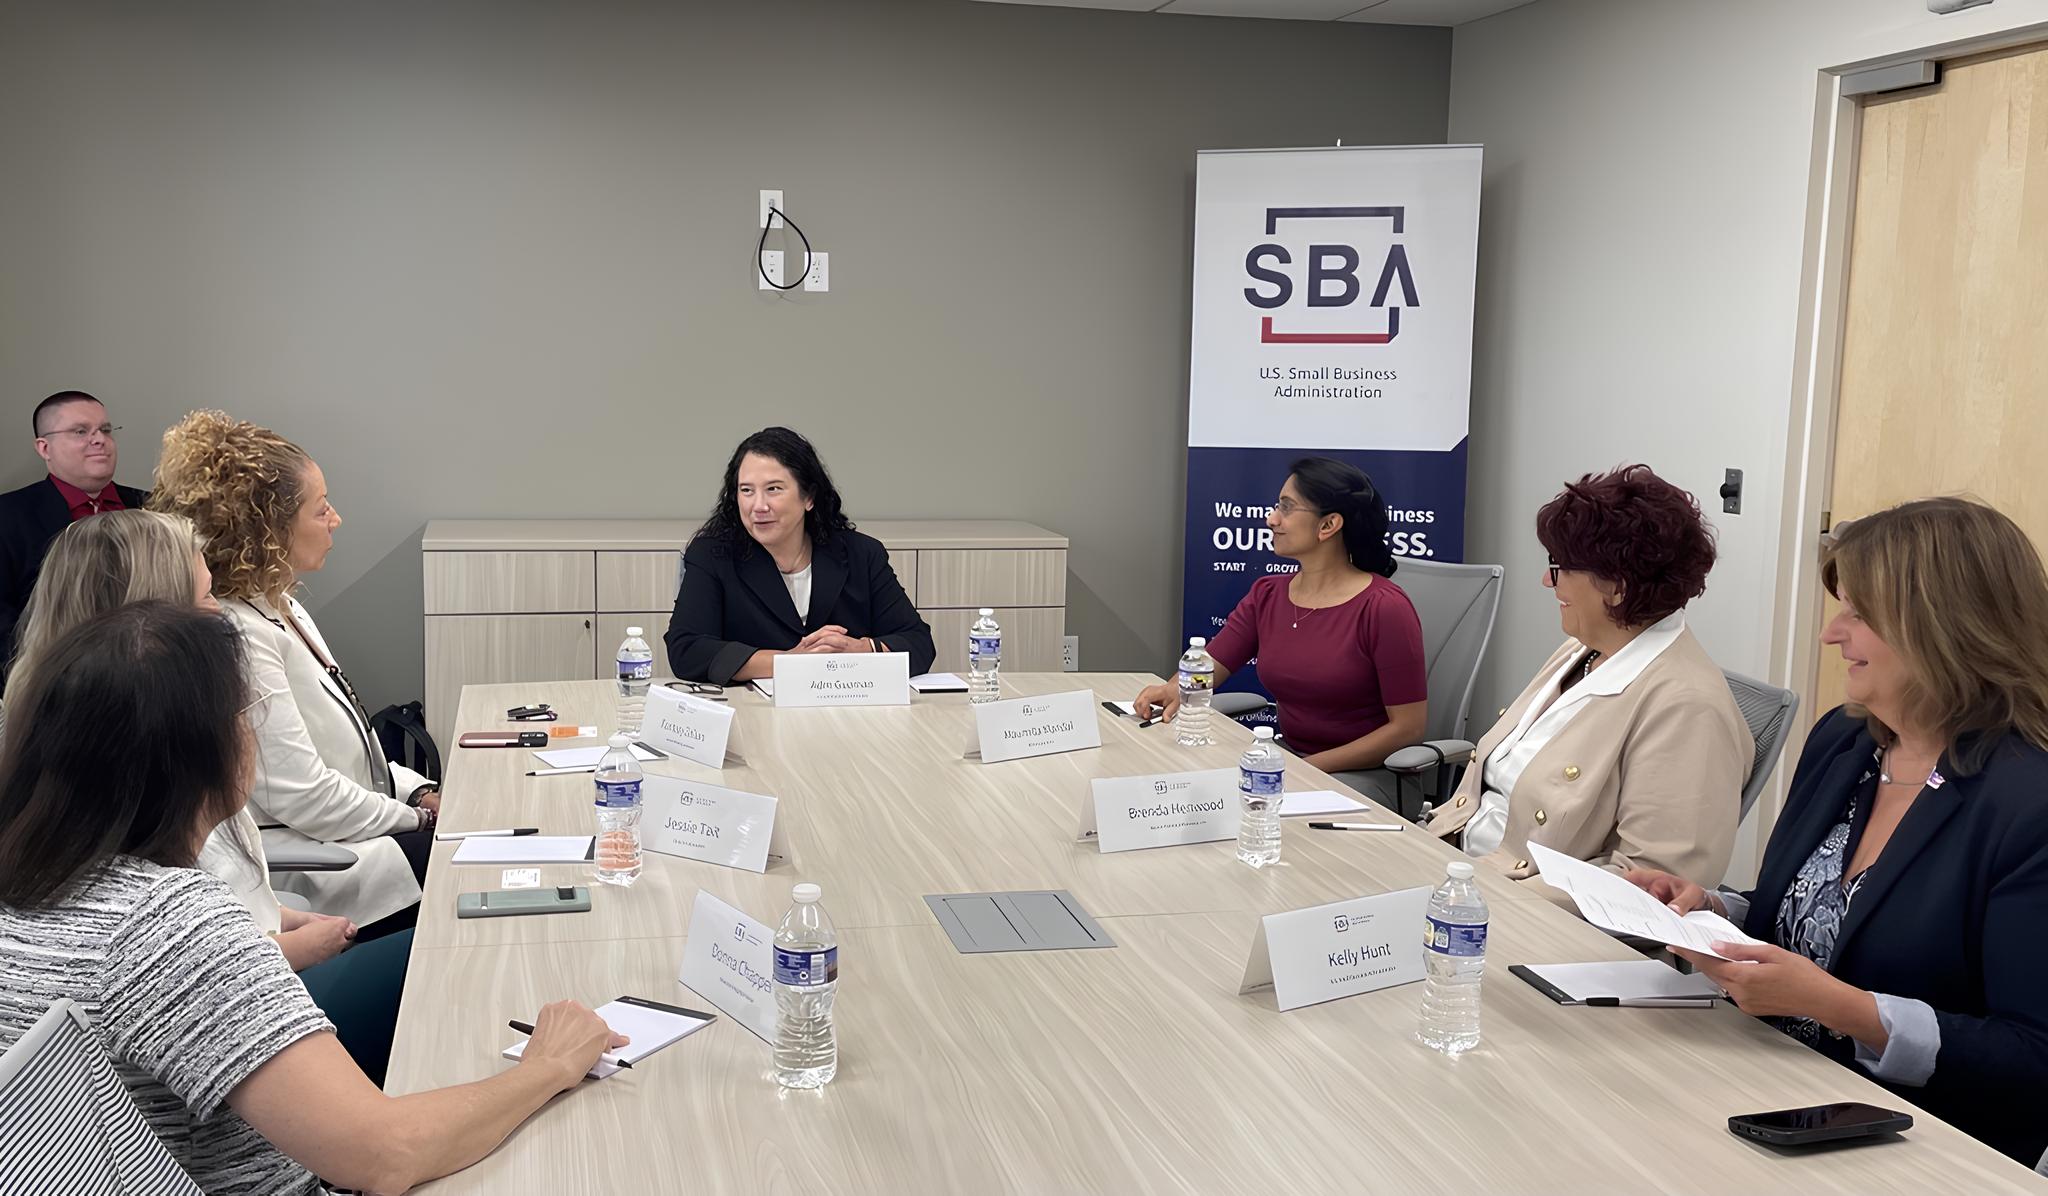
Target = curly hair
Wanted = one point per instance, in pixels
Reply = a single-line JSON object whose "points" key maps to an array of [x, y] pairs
{"points": [[821, 522], [1633, 528], [241, 486]]}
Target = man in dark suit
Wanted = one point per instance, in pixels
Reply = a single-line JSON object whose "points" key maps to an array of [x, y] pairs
{"points": [[76, 441]]}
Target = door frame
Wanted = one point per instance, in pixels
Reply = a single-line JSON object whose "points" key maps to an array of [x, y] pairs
{"points": [[1823, 294]]}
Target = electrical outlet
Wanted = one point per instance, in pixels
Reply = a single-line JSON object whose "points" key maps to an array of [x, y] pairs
{"points": [[771, 266], [1070, 655], [770, 199], [818, 279]]}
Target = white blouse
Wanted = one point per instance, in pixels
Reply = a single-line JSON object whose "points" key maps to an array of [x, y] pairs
{"points": [[799, 586]]}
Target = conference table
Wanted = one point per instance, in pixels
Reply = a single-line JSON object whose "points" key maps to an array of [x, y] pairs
{"points": [[1133, 1069]]}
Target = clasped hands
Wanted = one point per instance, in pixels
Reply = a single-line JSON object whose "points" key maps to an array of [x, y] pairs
{"points": [[832, 638]]}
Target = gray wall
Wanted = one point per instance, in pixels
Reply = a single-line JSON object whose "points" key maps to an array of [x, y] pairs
{"points": [[494, 259]]}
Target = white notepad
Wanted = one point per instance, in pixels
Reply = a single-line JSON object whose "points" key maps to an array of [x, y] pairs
{"points": [[587, 757], [524, 849], [1635, 980], [651, 1026], [938, 683], [1317, 801]]}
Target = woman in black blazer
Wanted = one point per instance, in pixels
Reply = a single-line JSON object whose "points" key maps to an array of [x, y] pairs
{"points": [[778, 568], [1906, 883]]}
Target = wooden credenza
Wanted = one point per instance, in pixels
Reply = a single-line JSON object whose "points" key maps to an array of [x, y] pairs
{"points": [[550, 599]]}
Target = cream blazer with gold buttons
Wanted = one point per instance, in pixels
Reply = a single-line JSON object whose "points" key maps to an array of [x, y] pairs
{"points": [[1648, 772]]}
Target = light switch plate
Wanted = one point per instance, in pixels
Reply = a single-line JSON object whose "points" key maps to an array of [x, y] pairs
{"points": [[770, 267]]}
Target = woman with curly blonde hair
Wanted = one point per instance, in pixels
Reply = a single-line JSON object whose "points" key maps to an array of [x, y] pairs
{"points": [[260, 504]]}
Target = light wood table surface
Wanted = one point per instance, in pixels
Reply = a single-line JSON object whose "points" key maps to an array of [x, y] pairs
{"points": [[1132, 1069]]}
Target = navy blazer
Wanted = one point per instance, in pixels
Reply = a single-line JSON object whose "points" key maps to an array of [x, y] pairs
{"points": [[1948, 915], [732, 603], [30, 519]]}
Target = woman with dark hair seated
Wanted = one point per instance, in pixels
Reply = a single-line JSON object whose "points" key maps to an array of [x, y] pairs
{"points": [[1337, 642], [1908, 874], [1626, 750], [102, 903], [778, 568]]}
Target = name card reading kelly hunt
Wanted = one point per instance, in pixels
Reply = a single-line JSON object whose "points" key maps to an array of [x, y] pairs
{"points": [[697, 730], [710, 823], [727, 961], [1040, 726], [1127, 813], [1308, 956], [843, 679]]}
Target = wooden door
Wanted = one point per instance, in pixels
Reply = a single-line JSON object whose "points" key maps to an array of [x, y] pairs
{"points": [[1944, 379]]}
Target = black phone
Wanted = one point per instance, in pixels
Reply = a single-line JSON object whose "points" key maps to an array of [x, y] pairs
{"points": [[1819, 1123]]}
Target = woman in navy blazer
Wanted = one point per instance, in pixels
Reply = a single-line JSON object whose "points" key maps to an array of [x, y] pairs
{"points": [[1906, 883], [779, 568]]}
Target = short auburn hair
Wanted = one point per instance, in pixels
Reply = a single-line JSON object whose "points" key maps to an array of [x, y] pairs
{"points": [[1634, 529], [241, 486]]}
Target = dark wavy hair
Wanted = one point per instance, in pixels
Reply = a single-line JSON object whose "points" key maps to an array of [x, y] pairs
{"points": [[1634, 529], [1335, 488], [825, 518], [161, 685]]}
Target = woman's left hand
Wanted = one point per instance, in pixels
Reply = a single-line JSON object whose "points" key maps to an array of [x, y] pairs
{"points": [[833, 641], [1767, 981]]}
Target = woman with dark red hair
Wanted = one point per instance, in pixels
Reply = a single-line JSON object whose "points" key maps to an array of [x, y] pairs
{"points": [[1627, 747]]}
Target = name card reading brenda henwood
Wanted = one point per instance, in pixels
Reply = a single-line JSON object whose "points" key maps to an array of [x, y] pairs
{"points": [[710, 823], [1308, 956], [728, 961], [1128, 813], [843, 679], [700, 731], [1040, 726]]}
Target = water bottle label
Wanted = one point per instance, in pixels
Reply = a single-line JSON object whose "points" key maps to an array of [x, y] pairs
{"points": [[636, 670], [984, 645], [1190, 679], [805, 968], [618, 794], [1461, 939], [1258, 782]]}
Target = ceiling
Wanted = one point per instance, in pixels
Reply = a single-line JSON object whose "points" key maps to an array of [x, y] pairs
{"points": [[1384, 12]]}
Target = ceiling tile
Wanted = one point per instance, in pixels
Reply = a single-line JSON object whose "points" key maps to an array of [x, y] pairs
{"points": [[1119, 5], [1431, 12], [1291, 10]]}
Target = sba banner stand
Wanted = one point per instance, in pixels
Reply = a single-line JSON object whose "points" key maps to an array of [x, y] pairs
{"points": [[1332, 317]]}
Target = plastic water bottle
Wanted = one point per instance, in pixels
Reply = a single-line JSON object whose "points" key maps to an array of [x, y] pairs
{"points": [[618, 813], [636, 673], [984, 658], [1197, 679], [806, 973], [1455, 954], [1261, 775]]}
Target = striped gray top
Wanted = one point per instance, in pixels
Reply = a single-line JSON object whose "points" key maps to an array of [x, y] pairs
{"points": [[185, 994]]}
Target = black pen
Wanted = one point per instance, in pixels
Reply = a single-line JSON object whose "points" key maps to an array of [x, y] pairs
{"points": [[1650, 1002], [449, 836], [527, 1029], [1356, 826]]}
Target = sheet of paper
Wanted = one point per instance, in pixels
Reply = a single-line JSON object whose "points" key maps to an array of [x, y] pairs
{"points": [[520, 878], [1635, 979], [585, 757], [1127, 709], [764, 685], [524, 849], [650, 1029], [1318, 801], [939, 683], [1611, 903]]}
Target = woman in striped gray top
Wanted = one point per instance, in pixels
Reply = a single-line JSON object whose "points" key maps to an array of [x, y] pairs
{"points": [[228, 1059]]}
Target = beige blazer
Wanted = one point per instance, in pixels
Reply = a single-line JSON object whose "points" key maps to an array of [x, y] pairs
{"points": [[1650, 776]]}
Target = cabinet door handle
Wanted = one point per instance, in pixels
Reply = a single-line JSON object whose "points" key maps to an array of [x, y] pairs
{"points": [[586, 624]]}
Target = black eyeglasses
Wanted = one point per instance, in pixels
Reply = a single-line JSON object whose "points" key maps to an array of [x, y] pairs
{"points": [[1555, 569]]}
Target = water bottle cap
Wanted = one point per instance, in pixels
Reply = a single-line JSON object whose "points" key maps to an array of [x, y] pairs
{"points": [[1196, 641], [620, 739], [806, 893], [632, 633], [1262, 732], [988, 611], [1458, 870]]}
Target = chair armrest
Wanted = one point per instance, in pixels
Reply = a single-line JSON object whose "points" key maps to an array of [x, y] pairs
{"points": [[1422, 757], [1237, 703], [308, 857]]}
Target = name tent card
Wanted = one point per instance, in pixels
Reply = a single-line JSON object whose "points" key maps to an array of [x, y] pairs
{"points": [[842, 679], [710, 823], [1040, 726], [697, 730], [1165, 810], [727, 962], [1308, 956]]}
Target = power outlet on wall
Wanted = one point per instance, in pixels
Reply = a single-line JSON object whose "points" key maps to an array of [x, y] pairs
{"points": [[1070, 654], [820, 278], [770, 199]]}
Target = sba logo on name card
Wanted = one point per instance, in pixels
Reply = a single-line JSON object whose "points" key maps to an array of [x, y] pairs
{"points": [[1355, 277]]}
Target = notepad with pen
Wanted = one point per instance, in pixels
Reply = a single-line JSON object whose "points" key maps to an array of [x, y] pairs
{"points": [[1642, 983], [651, 1025]]}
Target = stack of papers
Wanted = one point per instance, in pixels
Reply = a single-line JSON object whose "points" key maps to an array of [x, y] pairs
{"points": [[1611, 903], [938, 683], [1636, 982], [1317, 801], [650, 1025]]}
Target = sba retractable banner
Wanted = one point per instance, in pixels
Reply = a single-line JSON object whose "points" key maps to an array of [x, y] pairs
{"points": [[1332, 317]]}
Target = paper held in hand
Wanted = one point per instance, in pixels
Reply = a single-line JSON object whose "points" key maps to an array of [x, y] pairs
{"points": [[1611, 903], [692, 728]]}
